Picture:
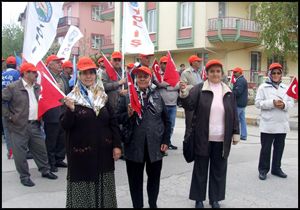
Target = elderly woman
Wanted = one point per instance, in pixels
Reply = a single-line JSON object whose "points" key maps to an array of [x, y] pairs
{"points": [[150, 137], [215, 127], [271, 98], [93, 142]]}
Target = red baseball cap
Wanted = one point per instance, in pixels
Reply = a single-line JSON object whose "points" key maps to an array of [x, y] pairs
{"points": [[145, 55], [143, 69], [67, 64], [53, 58], [213, 62], [193, 58], [116, 54], [101, 60], [238, 69], [130, 65], [275, 66], [163, 59], [27, 67], [11, 60], [86, 63]]}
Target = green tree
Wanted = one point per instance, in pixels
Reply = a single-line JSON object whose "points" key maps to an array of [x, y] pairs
{"points": [[279, 28], [12, 39]]}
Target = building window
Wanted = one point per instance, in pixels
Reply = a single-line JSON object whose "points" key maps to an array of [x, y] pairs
{"points": [[69, 11], [186, 13], [151, 21], [110, 4], [96, 13], [222, 9], [96, 41], [255, 61], [252, 11]]}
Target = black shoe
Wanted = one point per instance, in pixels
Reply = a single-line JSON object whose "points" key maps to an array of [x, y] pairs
{"points": [[199, 205], [262, 176], [29, 156], [49, 175], [153, 206], [53, 169], [244, 139], [214, 204], [172, 147], [279, 173], [27, 182], [61, 164]]}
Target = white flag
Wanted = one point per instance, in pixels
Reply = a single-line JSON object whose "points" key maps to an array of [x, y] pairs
{"points": [[41, 24], [135, 38], [70, 39]]}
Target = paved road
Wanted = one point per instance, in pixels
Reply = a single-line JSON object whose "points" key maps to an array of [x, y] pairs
{"points": [[244, 189]]}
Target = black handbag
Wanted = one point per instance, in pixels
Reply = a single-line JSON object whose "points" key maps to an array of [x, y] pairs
{"points": [[189, 142]]}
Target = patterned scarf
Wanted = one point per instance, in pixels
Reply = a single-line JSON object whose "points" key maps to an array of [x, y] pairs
{"points": [[93, 97]]}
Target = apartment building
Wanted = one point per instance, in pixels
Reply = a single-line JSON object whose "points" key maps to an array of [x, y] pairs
{"points": [[212, 30]]}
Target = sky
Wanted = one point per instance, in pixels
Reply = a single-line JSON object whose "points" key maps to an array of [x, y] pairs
{"points": [[11, 11]]}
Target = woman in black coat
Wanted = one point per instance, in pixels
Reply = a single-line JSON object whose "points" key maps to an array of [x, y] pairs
{"points": [[216, 128], [93, 142], [148, 136]]}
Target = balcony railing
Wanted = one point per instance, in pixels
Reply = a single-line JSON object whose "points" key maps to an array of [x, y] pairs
{"points": [[67, 21], [231, 23]]}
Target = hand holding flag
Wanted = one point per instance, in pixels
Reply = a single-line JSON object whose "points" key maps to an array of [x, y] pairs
{"points": [[293, 89], [133, 96], [156, 70]]}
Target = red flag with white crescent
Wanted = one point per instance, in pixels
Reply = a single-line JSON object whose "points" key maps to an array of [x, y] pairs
{"points": [[133, 96], [109, 69], [203, 74], [171, 74], [293, 89], [156, 69]]}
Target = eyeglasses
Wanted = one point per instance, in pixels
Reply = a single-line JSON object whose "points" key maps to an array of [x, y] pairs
{"points": [[117, 59], [145, 76], [278, 73]]}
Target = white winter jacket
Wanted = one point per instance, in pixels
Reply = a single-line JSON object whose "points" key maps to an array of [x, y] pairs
{"points": [[272, 119]]}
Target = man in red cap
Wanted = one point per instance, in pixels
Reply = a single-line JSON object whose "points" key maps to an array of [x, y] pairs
{"points": [[24, 127], [114, 88], [169, 95], [55, 135], [191, 77], [240, 89], [9, 76], [145, 59], [101, 65], [67, 70]]}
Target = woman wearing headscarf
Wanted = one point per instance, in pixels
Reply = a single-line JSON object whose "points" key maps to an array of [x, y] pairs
{"points": [[274, 103], [216, 127], [148, 139], [92, 142]]}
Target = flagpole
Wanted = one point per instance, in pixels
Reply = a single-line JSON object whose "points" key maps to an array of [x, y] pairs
{"points": [[122, 48]]}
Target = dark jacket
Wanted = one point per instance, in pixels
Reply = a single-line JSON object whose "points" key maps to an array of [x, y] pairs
{"points": [[202, 117], [154, 129], [112, 88], [240, 89], [15, 105], [90, 140], [52, 115]]}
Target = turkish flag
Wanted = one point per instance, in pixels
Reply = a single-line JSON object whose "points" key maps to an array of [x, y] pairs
{"points": [[43, 69], [156, 69], [293, 89], [109, 69], [49, 96], [232, 79], [203, 74], [133, 96], [171, 75]]}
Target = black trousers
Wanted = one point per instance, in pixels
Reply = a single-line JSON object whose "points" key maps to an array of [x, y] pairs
{"points": [[217, 175], [267, 140], [135, 172], [55, 142]]}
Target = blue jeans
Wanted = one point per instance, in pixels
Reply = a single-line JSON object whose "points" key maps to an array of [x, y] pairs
{"points": [[243, 125], [6, 134], [172, 115]]}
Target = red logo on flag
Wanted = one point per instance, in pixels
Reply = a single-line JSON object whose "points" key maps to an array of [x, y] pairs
{"points": [[156, 69], [293, 89], [171, 75]]}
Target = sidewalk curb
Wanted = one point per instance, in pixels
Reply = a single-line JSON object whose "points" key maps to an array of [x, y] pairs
{"points": [[251, 120]]}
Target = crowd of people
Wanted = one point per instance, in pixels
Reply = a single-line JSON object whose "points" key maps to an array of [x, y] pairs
{"points": [[97, 125]]}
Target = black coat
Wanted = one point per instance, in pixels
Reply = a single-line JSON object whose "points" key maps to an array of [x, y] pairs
{"points": [[202, 117], [90, 141], [154, 129], [240, 89]]}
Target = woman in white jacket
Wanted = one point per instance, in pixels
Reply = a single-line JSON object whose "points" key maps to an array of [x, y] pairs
{"points": [[274, 103]]}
